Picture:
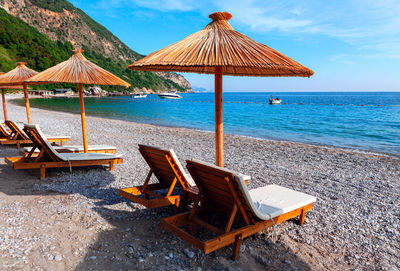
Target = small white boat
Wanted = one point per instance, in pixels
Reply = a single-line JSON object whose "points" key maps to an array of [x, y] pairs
{"points": [[169, 95], [138, 96], [274, 100]]}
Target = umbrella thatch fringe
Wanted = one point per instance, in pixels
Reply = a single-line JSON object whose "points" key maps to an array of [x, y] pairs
{"points": [[219, 45], [12, 87], [15, 77], [77, 69]]}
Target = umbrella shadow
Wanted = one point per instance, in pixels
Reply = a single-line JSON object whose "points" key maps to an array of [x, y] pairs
{"points": [[91, 182], [136, 241]]}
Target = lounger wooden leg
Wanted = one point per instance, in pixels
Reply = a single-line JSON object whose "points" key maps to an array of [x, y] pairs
{"points": [[302, 217], [177, 205], [236, 247], [111, 166], [42, 172], [171, 188], [18, 145], [231, 218], [146, 181], [62, 142], [192, 225], [184, 200]]}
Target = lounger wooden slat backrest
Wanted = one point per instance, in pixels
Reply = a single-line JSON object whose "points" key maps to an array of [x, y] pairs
{"points": [[16, 132], [4, 131], [219, 189], [165, 166], [40, 142]]}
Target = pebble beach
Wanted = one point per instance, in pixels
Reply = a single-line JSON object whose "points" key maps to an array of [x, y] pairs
{"points": [[75, 220]]}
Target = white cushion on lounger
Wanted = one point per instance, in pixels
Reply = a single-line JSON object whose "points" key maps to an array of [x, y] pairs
{"points": [[87, 156], [20, 125], [282, 199], [187, 176], [274, 200], [190, 179], [91, 147], [4, 129], [76, 148], [73, 156]]}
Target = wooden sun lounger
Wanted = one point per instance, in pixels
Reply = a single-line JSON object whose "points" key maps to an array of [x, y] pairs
{"points": [[224, 191], [24, 151], [18, 136], [4, 132], [170, 175], [51, 158]]}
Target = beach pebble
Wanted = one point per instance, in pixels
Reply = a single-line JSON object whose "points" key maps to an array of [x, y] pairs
{"points": [[58, 257], [188, 253]]}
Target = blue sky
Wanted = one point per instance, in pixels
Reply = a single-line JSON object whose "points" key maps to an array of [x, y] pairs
{"points": [[351, 45]]}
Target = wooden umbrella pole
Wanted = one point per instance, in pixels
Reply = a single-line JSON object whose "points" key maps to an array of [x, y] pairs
{"points": [[27, 106], [4, 104], [85, 145], [219, 130]]}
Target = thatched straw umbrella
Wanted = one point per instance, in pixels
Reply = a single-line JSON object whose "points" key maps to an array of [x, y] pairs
{"points": [[78, 70], [218, 49], [15, 79]]}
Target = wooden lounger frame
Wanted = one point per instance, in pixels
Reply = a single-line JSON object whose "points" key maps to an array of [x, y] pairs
{"points": [[47, 159], [4, 134], [221, 192], [18, 138], [163, 165], [66, 150]]}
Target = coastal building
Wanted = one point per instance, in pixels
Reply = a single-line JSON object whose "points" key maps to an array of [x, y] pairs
{"points": [[44, 93], [62, 91]]}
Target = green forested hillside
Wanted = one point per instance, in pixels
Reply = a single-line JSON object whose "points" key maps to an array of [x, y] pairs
{"points": [[21, 42]]}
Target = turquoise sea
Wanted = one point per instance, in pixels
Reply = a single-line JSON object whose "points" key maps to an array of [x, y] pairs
{"points": [[368, 121]]}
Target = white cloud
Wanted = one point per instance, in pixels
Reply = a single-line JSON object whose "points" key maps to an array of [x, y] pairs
{"points": [[370, 26]]}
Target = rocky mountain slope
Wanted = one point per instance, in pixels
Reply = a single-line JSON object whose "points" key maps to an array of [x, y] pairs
{"points": [[62, 22]]}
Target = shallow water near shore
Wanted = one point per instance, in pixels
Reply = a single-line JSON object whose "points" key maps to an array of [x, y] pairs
{"points": [[368, 121]]}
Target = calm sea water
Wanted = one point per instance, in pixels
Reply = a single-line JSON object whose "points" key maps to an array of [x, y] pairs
{"points": [[366, 121]]}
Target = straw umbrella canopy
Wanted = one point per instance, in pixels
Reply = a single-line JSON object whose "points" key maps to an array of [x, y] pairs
{"points": [[218, 49], [78, 70], [15, 79]]}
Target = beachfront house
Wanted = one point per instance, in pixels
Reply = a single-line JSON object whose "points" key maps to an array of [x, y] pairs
{"points": [[63, 91], [39, 92]]}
